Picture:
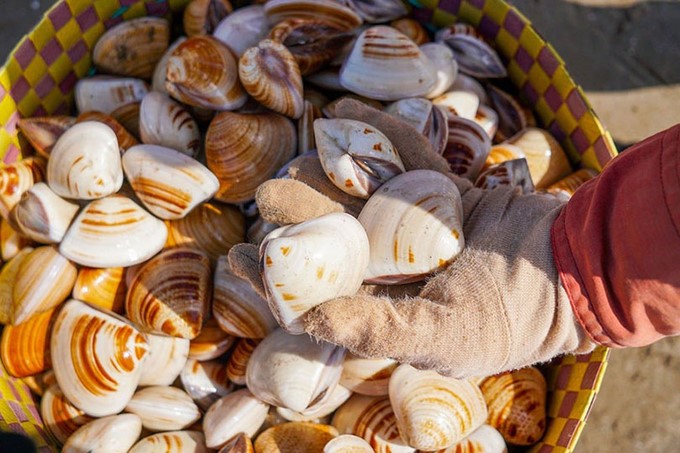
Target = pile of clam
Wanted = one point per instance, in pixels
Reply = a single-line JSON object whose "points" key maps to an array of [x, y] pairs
{"points": [[121, 305]]}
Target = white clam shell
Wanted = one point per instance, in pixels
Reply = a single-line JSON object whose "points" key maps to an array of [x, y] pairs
{"points": [[163, 408], [112, 434], [105, 93], [172, 442], [305, 265], [96, 357], [487, 118], [386, 65], [166, 359], [42, 215], [294, 371], [450, 408], [372, 419], [466, 83], [348, 443], [367, 376], [238, 412], [243, 28], [158, 79], [205, 382], [165, 122], [485, 439], [459, 103], [355, 156], [113, 232], [414, 226], [337, 397], [85, 162], [169, 183], [446, 67]]}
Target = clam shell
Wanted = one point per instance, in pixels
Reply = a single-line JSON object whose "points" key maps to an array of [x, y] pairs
{"points": [[270, 74], [96, 357], [128, 116], [211, 343], [11, 243], [210, 227], [165, 360], [372, 419], [239, 358], [447, 68], [327, 78], [106, 94], [516, 402], [164, 122], [475, 57], [104, 288], [305, 128], [163, 408], [243, 28], [169, 183], [171, 293], [7, 279], [44, 280], [17, 178], [484, 439], [450, 408], [202, 16], [25, 348], [239, 444], [367, 376], [305, 265], [246, 150], [426, 118], [347, 443], [514, 173], [61, 418], [125, 139], [414, 227], [205, 382], [42, 215], [467, 148], [487, 118], [294, 371], [113, 434], [411, 28], [238, 412], [132, 48], [43, 132], [161, 69], [512, 117], [356, 157], [259, 230], [501, 153], [295, 436], [547, 160], [85, 162], [113, 232], [313, 43], [172, 442], [568, 185], [376, 11], [326, 10], [237, 307], [203, 72], [463, 104], [466, 83], [384, 50], [320, 411], [39, 383]]}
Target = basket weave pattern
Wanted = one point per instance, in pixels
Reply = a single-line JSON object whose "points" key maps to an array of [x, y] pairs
{"points": [[40, 74]]}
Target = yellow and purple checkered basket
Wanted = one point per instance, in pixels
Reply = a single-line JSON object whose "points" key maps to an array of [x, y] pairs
{"points": [[40, 74]]}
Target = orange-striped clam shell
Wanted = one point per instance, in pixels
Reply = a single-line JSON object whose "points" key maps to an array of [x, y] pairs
{"points": [[211, 343], [43, 132], [202, 16], [308, 437], [17, 178], [25, 349], [238, 360], [172, 442], [102, 287], [61, 418]]}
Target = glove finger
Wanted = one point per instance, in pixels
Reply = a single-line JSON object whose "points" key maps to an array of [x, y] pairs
{"points": [[244, 263], [286, 201]]}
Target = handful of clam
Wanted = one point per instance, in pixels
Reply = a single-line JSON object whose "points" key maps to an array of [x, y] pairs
{"points": [[120, 287]]}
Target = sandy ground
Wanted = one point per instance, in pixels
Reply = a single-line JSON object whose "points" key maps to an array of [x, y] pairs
{"points": [[626, 55]]}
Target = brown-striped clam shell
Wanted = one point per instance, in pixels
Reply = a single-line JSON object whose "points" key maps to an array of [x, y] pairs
{"points": [[237, 307], [326, 10], [467, 148], [238, 360], [203, 72], [367, 376], [270, 74], [103, 287], [96, 357], [547, 160], [7, 280], [384, 50], [205, 382], [113, 232], [17, 178], [163, 408], [566, 187], [125, 139], [172, 442], [484, 439], [238, 444], [501, 153], [511, 115], [165, 360], [115, 433], [202, 16], [425, 117], [243, 28], [164, 122], [132, 48], [305, 127], [244, 150], [105, 93], [39, 383], [348, 443], [517, 404], [43, 132], [128, 116], [372, 419], [171, 293], [211, 227], [211, 343], [11, 242], [61, 418], [238, 412], [308, 437], [411, 28], [44, 280], [377, 11], [25, 348], [161, 69], [514, 173], [475, 57]]}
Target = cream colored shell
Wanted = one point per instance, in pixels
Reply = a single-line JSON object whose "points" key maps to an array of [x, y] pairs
{"points": [[113, 434], [238, 412]]}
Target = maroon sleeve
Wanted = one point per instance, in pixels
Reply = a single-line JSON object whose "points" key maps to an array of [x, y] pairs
{"points": [[616, 245]]}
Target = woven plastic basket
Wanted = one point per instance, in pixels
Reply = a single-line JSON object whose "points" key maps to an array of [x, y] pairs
{"points": [[40, 74]]}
